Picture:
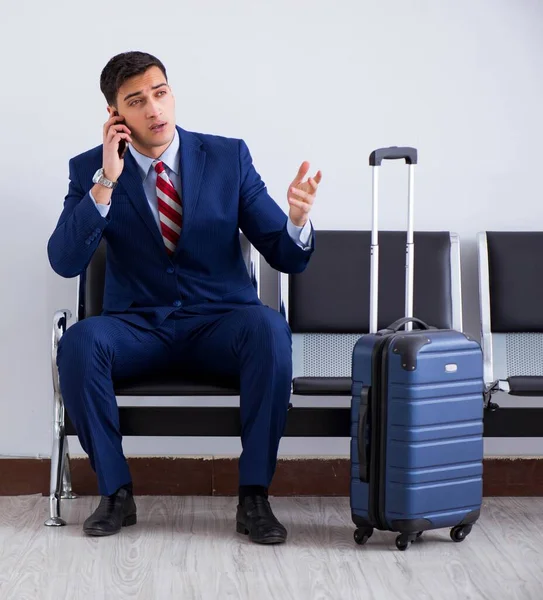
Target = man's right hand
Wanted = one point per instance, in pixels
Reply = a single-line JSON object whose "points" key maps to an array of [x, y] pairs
{"points": [[114, 132]]}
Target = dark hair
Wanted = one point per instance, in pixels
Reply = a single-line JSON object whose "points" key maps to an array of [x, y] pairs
{"points": [[123, 66]]}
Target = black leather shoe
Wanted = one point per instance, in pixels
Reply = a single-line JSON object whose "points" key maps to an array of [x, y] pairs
{"points": [[255, 518], [113, 512]]}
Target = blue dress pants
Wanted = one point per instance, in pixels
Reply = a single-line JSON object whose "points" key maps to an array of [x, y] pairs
{"points": [[249, 342]]}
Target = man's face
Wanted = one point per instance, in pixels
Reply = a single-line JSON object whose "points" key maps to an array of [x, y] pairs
{"points": [[148, 106]]}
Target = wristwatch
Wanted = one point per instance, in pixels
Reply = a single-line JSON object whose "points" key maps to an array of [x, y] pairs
{"points": [[99, 178]]}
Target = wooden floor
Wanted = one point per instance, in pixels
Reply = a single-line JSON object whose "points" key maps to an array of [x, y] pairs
{"points": [[186, 547]]}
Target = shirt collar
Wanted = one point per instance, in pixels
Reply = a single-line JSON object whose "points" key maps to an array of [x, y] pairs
{"points": [[170, 157]]}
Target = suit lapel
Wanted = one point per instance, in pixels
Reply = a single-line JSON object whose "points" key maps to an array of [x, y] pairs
{"points": [[193, 160], [130, 179]]}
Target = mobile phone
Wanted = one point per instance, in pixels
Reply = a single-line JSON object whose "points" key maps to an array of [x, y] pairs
{"points": [[122, 144]]}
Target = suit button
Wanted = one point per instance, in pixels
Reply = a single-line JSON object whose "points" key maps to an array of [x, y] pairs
{"points": [[177, 303], [170, 270], [97, 231], [87, 242]]}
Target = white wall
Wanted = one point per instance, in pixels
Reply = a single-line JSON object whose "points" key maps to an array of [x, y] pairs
{"points": [[322, 81]]}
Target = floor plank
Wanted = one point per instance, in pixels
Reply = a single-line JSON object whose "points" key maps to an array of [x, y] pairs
{"points": [[187, 547]]}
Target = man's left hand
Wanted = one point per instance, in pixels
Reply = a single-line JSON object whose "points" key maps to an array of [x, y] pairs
{"points": [[301, 195]]}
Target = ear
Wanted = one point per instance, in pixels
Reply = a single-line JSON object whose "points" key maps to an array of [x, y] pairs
{"points": [[111, 111]]}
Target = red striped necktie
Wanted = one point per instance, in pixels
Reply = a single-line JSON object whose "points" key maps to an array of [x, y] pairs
{"points": [[170, 210]]}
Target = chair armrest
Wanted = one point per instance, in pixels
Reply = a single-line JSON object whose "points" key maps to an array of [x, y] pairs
{"points": [[60, 320]]}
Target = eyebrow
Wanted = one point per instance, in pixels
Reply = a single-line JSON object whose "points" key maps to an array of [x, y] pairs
{"points": [[155, 87]]}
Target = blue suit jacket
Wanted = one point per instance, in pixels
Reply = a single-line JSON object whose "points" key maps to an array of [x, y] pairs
{"points": [[221, 193]]}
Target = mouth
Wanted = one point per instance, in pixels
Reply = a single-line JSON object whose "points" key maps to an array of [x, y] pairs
{"points": [[158, 127]]}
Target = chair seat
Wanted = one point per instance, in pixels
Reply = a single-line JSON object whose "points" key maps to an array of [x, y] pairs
{"points": [[322, 386], [172, 384], [525, 385]]}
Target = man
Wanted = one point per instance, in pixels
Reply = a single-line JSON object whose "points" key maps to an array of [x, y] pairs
{"points": [[169, 204]]}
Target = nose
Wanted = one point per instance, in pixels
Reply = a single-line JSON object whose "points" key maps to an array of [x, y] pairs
{"points": [[153, 109]]}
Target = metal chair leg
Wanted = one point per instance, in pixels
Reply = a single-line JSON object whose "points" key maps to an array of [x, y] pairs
{"points": [[67, 493], [57, 470], [60, 449]]}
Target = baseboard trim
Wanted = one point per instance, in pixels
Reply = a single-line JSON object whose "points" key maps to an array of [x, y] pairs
{"points": [[218, 476]]}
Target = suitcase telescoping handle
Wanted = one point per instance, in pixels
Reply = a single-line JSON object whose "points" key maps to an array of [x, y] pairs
{"points": [[392, 153], [410, 156]]}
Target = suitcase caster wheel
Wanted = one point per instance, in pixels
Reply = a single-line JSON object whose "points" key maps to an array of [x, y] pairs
{"points": [[460, 533], [402, 542], [361, 536]]}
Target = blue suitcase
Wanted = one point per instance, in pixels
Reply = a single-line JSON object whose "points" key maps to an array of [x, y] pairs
{"points": [[416, 415]]}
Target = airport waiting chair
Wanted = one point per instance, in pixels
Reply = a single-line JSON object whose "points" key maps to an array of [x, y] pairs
{"points": [[327, 306], [137, 420], [511, 314]]}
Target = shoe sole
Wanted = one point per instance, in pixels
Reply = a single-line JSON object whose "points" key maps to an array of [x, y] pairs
{"points": [[240, 528], [130, 520]]}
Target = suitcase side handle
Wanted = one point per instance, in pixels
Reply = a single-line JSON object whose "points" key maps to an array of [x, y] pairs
{"points": [[397, 325], [363, 454], [393, 153]]}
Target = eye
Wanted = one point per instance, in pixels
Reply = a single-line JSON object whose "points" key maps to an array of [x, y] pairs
{"points": [[161, 93], [134, 102]]}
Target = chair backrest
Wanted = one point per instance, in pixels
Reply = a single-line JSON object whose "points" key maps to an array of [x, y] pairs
{"points": [[327, 305], [91, 283], [511, 302]]}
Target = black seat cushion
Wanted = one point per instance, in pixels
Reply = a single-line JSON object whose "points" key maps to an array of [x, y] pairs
{"points": [[322, 386], [332, 295], [526, 385], [172, 384]]}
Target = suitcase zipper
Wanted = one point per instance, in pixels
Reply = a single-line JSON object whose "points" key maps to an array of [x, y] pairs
{"points": [[377, 457], [382, 448]]}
